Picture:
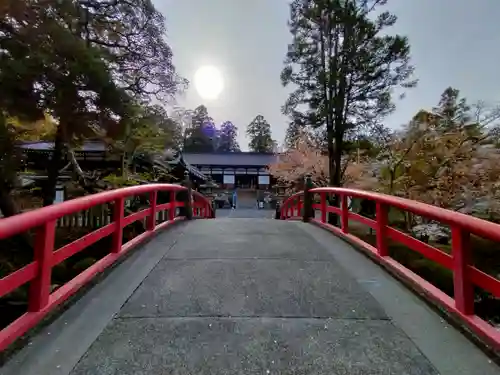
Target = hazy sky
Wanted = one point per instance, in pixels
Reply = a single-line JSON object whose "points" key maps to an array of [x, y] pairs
{"points": [[454, 43]]}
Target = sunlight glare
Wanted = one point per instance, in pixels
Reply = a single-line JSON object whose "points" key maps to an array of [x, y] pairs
{"points": [[208, 82]]}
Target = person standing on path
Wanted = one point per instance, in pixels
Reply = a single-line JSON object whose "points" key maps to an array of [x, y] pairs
{"points": [[235, 197]]}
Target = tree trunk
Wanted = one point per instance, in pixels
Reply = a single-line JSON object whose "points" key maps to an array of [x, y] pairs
{"points": [[7, 205], [335, 170], [49, 189], [8, 208], [337, 159], [82, 178], [124, 165], [391, 182]]}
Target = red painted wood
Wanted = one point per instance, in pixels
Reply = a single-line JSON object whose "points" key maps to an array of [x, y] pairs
{"points": [[136, 216], [164, 206], [381, 229], [363, 220], [287, 204], [352, 238], [27, 220], [344, 214], [489, 333], [323, 207], [465, 274], [462, 285], [40, 286], [469, 223], [426, 250], [38, 272], [334, 209], [151, 220], [171, 212], [116, 244], [485, 281], [82, 243], [18, 278]]}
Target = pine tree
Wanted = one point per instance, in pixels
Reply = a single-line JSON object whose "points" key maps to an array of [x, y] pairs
{"points": [[345, 67], [292, 134], [228, 141], [201, 134], [259, 132], [87, 63], [452, 110]]}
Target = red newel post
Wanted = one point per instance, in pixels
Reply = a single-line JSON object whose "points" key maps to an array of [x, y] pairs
{"points": [[307, 213], [171, 212], [344, 214], [39, 292], [118, 215], [189, 197], [299, 206], [151, 220], [462, 286], [323, 207], [381, 229]]}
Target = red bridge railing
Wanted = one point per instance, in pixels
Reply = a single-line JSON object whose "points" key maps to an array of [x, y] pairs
{"points": [[43, 221], [465, 275]]}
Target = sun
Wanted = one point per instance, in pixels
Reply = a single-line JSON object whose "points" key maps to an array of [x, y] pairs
{"points": [[208, 82]]}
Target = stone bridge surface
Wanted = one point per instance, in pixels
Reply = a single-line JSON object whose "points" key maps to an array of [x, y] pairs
{"points": [[249, 296]]}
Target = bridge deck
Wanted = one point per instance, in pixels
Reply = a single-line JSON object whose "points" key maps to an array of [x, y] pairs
{"points": [[249, 296]]}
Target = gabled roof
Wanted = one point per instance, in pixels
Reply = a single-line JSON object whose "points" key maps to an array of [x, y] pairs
{"points": [[88, 146], [247, 159]]}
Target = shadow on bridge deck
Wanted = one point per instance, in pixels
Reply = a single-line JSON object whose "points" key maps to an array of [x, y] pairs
{"points": [[249, 296]]}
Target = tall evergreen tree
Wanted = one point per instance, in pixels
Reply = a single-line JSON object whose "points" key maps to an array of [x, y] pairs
{"points": [[227, 140], [453, 111], [200, 135], [157, 118], [292, 134], [259, 132], [132, 33], [86, 62], [46, 67], [345, 67]]}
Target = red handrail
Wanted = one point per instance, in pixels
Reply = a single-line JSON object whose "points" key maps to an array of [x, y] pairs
{"points": [[465, 275], [38, 273]]}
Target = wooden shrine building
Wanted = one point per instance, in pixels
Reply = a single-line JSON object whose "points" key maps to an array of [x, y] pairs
{"points": [[244, 170]]}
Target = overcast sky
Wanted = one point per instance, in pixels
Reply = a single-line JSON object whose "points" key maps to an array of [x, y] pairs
{"points": [[454, 43]]}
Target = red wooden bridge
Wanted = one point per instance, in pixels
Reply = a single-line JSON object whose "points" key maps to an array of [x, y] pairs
{"points": [[253, 296]]}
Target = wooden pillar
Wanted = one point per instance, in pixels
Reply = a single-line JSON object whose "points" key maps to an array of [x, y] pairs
{"points": [[188, 212], [308, 199]]}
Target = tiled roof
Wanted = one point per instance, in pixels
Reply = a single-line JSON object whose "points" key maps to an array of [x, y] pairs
{"points": [[46, 146], [249, 159]]}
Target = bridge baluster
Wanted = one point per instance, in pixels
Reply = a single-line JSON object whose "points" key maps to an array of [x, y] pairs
{"points": [[118, 216], [323, 207], [39, 292], [466, 277], [381, 229], [462, 285], [171, 212], [43, 221], [151, 220], [344, 217]]}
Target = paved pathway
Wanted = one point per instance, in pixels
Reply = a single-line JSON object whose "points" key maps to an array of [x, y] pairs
{"points": [[249, 296], [245, 213]]}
